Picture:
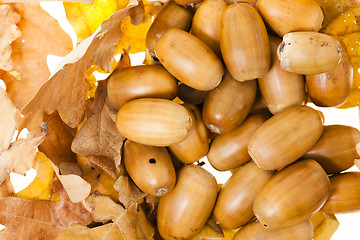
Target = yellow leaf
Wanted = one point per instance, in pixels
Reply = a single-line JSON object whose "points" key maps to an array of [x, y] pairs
{"points": [[327, 228], [347, 22], [40, 188], [86, 18]]}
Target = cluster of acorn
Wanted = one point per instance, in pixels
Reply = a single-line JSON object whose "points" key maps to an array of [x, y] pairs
{"points": [[283, 153]]}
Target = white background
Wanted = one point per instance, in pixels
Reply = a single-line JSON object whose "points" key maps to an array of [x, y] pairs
{"points": [[349, 223]]}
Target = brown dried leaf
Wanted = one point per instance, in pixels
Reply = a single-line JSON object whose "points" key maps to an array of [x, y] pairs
{"points": [[41, 35], [76, 187], [40, 219], [20, 156], [70, 168], [9, 32], [6, 188], [57, 144], [7, 120], [104, 209], [99, 135], [65, 91], [108, 231], [128, 191], [144, 228]]}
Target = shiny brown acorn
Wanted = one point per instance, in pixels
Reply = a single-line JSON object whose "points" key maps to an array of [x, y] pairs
{"points": [[155, 122], [228, 151], [227, 106], [255, 231], [184, 211], [150, 168], [336, 148], [207, 23], [285, 137], [196, 145], [319, 52], [292, 195], [281, 89], [234, 206], [345, 193], [186, 2], [171, 16], [259, 105], [331, 89], [189, 59], [244, 42], [191, 95], [286, 16], [140, 81]]}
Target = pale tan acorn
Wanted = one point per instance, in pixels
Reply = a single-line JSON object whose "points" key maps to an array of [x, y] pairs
{"points": [[234, 206], [286, 16], [292, 195], [279, 88], [256, 231], [189, 59], [244, 42], [184, 211], [150, 168], [155, 122], [285, 137], [309, 53], [196, 145], [171, 16], [139, 82], [207, 23]]}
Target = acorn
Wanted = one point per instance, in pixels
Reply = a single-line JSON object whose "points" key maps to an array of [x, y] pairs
{"points": [[292, 195], [139, 82], [336, 148], [196, 145], [345, 192], [331, 89], [281, 89], [286, 16], [171, 16], [184, 211], [285, 137], [150, 168], [309, 52], [227, 106], [234, 206], [190, 95], [206, 23], [229, 151], [154, 122], [255, 231], [189, 59], [244, 42]]}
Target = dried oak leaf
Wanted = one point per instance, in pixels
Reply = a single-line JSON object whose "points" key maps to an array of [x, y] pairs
{"points": [[40, 219], [98, 135], [144, 228], [75, 186], [65, 91], [41, 35], [20, 156], [9, 32], [129, 193], [7, 120], [99, 179], [40, 188], [57, 144], [77, 231], [6, 188]]}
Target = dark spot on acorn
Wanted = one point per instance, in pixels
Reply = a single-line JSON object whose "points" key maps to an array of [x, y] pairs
{"points": [[152, 160]]}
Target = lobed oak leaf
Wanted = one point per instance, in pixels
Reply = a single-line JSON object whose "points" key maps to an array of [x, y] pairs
{"points": [[7, 120], [9, 32], [77, 231], [40, 188], [20, 156], [70, 168], [41, 35], [144, 228], [40, 219], [65, 91], [57, 144]]}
